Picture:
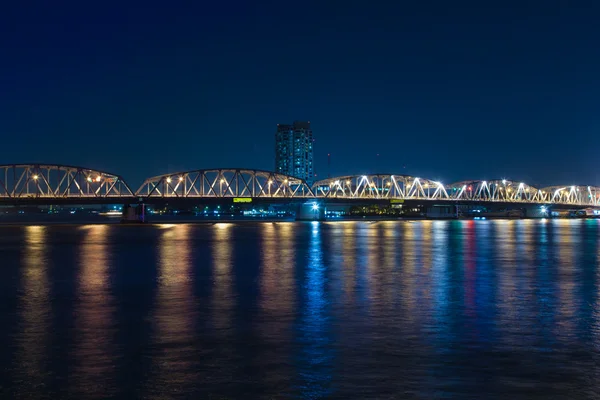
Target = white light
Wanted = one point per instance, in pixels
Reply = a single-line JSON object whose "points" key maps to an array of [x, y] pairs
{"points": [[180, 178], [98, 179], [169, 180], [504, 181], [315, 206], [35, 177], [484, 183]]}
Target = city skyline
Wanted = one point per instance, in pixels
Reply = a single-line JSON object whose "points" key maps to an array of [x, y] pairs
{"points": [[440, 91]]}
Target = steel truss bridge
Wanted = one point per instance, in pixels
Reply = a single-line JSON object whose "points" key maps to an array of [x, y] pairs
{"points": [[50, 184], [49, 181]]}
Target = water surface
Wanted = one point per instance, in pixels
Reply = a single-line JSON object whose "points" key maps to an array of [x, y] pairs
{"points": [[342, 310]]}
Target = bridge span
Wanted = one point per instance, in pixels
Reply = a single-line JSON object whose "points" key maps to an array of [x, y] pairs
{"points": [[53, 184]]}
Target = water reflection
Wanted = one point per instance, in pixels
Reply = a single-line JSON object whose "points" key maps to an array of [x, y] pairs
{"points": [[567, 271], [407, 278], [595, 324], [315, 360], [277, 280], [34, 306], [507, 291], [427, 309], [222, 295], [174, 314], [440, 282], [277, 298], [348, 267], [94, 350]]}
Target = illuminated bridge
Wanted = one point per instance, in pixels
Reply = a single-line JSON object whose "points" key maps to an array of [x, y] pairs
{"points": [[61, 184], [239, 183]]}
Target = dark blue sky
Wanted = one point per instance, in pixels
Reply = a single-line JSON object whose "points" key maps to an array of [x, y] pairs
{"points": [[439, 89]]}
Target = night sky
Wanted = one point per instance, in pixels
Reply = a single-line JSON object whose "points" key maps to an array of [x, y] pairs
{"points": [[439, 89]]}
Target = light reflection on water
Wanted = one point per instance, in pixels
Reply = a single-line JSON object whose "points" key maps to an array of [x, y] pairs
{"points": [[93, 351], [32, 342], [173, 337], [430, 309], [314, 361]]}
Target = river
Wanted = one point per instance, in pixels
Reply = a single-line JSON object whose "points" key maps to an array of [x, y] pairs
{"points": [[341, 310]]}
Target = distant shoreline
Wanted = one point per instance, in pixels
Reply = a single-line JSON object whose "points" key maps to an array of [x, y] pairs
{"points": [[27, 221]]}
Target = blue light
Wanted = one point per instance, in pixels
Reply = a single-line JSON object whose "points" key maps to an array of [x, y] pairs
{"points": [[315, 206]]}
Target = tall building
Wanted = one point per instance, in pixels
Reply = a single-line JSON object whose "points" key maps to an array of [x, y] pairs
{"points": [[294, 150]]}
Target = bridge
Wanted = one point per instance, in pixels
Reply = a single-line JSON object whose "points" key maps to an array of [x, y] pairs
{"points": [[38, 184]]}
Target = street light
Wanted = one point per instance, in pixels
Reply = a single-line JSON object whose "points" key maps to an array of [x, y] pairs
{"points": [[169, 180]]}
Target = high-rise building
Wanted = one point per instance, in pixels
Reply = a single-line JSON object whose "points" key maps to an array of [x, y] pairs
{"points": [[294, 150]]}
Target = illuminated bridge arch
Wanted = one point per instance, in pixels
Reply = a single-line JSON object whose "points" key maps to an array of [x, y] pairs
{"points": [[501, 190], [59, 181], [380, 186], [226, 182], [575, 195]]}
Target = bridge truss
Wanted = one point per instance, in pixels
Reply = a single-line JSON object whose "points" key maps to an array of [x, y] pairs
{"points": [[49, 181], [24, 181], [215, 183], [225, 183], [497, 190], [381, 187]]}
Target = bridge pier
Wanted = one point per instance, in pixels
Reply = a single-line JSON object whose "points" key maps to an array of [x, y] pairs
{"points": [[310, 211], [134, 214]]}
